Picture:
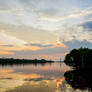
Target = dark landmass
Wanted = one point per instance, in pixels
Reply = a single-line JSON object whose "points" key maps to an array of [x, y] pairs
{"points": [[11, 61]]}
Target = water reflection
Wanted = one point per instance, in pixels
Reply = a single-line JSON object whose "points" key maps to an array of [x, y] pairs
{"points": [[32, 78], [36, 86], [54, 77], [79, 79], [23, 64]]}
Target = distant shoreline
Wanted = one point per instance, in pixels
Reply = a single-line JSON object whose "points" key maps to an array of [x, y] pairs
{"points": [[10, 61]]}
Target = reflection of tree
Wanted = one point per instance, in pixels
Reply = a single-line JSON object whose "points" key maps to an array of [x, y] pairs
{"points": [[79, 79]]}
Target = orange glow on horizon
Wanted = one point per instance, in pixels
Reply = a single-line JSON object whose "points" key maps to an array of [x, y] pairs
{"points": [[9, 50], [6, 53], [33, 48]]}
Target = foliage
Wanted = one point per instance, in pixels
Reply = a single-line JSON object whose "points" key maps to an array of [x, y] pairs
{"points": [[79, 58]]}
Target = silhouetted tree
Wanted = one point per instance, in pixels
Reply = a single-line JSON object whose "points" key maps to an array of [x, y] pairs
{"points": [[79, 58]]}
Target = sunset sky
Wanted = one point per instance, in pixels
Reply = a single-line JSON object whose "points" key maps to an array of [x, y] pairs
{"points": [[44, 29]]}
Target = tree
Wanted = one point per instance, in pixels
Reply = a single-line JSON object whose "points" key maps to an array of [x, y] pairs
{"points": [[79, 58]]}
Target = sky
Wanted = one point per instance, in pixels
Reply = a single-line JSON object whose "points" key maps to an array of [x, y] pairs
{"points": [[44, 29]]}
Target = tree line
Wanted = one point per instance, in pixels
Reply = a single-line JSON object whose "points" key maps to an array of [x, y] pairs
{"points": [[22, 61]]}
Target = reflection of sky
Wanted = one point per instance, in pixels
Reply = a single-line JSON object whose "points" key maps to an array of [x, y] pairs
{"points": [[21, 76], [40, 86], [43, 28]]}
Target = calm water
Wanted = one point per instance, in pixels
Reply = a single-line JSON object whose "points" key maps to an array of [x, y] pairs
{"points": [[35, 78]]}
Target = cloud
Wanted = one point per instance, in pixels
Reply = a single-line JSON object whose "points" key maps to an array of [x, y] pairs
{"points": [[73, 14], [10, 40], [39, 45], [74, 32], [78, 44], [59, 43], [29, 34], [87, 25], [41, 51], [5, 11], [56, 52], [7, 45], [56, 44]]}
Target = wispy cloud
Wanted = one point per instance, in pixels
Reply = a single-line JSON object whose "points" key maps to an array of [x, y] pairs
{"points": [[10, 40], [39, 45], [75, 33], [7, 45]]}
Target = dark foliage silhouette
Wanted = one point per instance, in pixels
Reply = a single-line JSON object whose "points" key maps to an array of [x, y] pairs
{"points": [[79, 58]]}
